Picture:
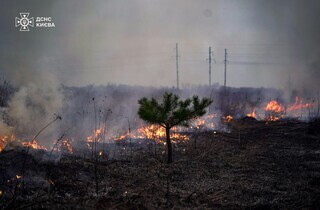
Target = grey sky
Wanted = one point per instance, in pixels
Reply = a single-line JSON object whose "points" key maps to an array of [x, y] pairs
{"points": [[132, 42]]}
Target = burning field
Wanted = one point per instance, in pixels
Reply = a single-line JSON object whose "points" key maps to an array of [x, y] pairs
{"points": [[160, 104], [90, 150]]}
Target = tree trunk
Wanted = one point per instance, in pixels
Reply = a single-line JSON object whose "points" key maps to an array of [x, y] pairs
{"points": [[169, 145]]}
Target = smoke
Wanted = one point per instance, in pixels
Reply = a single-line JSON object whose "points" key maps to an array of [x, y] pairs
{"points": [[5, 130], [37, 99], [32, 107], [125, 42], [294, 27], [132, 42]]}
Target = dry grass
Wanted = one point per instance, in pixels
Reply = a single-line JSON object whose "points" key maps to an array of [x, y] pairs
{"points": [[274, 166]]}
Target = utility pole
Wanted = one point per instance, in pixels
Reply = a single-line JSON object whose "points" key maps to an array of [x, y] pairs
{"points": [[225, 69], [210, 67], [177, 65]]}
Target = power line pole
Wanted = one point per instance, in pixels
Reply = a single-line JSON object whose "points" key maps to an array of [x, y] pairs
{"points": [[210, 67], [225, 69], [177, 65]]}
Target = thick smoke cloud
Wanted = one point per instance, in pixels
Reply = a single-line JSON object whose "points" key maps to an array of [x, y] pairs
{"points": [[295, 25], [32, 107], [270, 43]]}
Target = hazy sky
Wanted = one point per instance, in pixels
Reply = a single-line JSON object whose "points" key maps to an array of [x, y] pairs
{"points": [[133, 42]]}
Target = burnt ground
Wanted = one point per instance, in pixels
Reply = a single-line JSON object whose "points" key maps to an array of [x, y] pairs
{"points": [[256, 165]]}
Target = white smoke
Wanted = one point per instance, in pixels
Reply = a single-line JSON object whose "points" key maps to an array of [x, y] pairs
{"points": [[5, 130], [32, 107]]}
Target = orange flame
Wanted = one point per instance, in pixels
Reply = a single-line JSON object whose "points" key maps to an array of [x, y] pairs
{"points": [[274, 111], [273, 118], [66, 143], [252, 114], [274, 106], [204, 122], [33, 144], [95, 136], [155, 133], [299, 105], [4, 140], [227, 119], [158, 134]]}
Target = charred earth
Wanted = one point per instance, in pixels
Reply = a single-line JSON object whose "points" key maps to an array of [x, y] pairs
{"points": [[256, 165]]}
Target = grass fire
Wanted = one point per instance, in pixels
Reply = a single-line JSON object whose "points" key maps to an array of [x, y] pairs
{"points": [[121, 159], [174, 104]]}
